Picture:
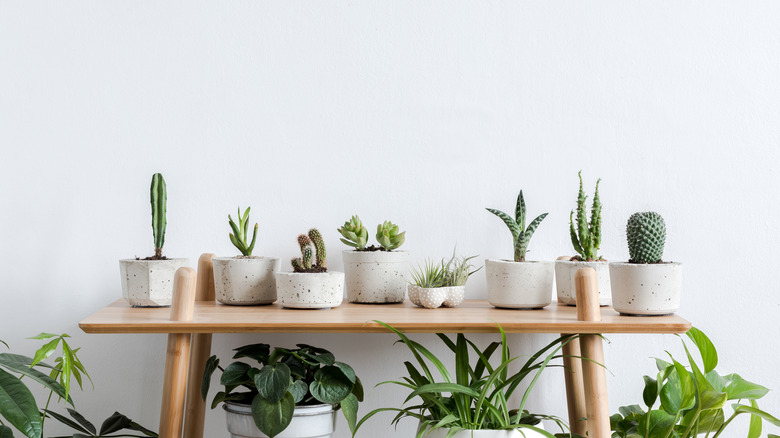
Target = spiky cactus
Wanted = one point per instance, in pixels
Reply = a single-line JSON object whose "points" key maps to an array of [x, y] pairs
{"points": [[586, 236], [521, 235], [309, 262], [319, 245], [239, 235], [646, 235], [355, 234], [159, 198], [387, 234]]}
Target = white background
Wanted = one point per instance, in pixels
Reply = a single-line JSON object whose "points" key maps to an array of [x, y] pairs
{"points": [[419, 112]]}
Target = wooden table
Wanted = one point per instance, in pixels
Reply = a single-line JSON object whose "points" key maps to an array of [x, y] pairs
{"points": [[194, 316]]}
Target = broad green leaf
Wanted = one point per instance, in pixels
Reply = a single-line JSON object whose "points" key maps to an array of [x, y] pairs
{"points": [[661, 364], [743, 409], [658, 424], [347, 370], [205, 384], [273, 418], [20, 365], [235, 374], [709, 420], [258, 352], [358, 389], [5, 431], [736, 387], [272, 381], [114, 423], [18, 406], [330, 385], [650, 393], [631, 411], [709, 355], [754, 431], [678, 393], [45, 351], [82, 421], [298, 389], [349, 407]]}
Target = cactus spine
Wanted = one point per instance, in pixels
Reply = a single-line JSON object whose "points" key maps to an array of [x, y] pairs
{"points": [[586, 236], [309, 261], [319, 245], [159, 198], [521, 235], [646, 235]]}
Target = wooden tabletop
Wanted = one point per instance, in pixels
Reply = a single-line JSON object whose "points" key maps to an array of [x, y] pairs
{"points": [[473, 316]]}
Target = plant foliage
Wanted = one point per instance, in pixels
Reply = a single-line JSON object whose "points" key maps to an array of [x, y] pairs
{"points": [[240, 233], [646, 236], [388, 235], [586, 235], [452, 272], [310, 261], [521, 235], [159, 199]]}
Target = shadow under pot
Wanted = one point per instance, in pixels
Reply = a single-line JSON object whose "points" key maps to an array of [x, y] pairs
{"points": [[375, 277], [245, 281], [307, 422], [646, 289], [149, 283], [519, 285], [304, 290], [565, 272]]}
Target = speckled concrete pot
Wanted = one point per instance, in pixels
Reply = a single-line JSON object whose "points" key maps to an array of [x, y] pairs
{"points": [[245, 281], [434, 297], [323, 290], [375, 277], [149, 283], [519, 285], [646, 289], [564, 280]]}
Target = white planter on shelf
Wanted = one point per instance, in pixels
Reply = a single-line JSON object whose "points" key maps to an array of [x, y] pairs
{"points": [[519, 285], [149, 283], [245, 281], [564, 280], [486, 433], [303, 290], [375, 277], [435, 297], [317, 421], [646, 289]]}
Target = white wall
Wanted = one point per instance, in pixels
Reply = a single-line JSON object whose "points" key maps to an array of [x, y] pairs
{"points": [[419, 112]]}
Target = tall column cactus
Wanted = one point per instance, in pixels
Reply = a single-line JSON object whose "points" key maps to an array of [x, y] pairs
{"points": [[159, 198], [586, 236]]}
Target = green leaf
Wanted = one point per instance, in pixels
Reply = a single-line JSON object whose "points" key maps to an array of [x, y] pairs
{"points": [[5, 431], [272, 381], [82, 421], [658, 424], [678, 393], [736, 387], [709, 355], [205, 384], [45, 351], [330, 385], [235, 374], [66, 421], [47, 336], [298, 389], [754, 431], [20, 364], [358, 389], [743, 409], [441, 387], [18, 406], [347, 370], [258, 352], [514, 228], [114, 423], [650, 393], [273, 418], [708, 420], [349, 407]]}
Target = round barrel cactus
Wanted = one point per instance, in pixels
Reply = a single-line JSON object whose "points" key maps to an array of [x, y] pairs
{"points": [[646, 234]]}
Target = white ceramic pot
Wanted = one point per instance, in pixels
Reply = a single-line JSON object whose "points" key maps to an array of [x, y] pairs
{"points": [[646, 289], [565, 283], [302, 290], [518, 433], [245, 281], [149, 283], [375, 276], [434, 297], [318, 421], [519, 285]]}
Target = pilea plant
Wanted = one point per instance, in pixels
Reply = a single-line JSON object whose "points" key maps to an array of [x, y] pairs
{"points": [[646, 235], [286, 378], [310, 261], [388, 235], [521, 235], [159, 198], [240, 233], [586, 235]]}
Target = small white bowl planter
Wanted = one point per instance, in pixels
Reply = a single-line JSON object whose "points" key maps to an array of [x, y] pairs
{"points": [[149, 283], [646, 289], [304, 290], [318, 421], [435, 297], [375, 277], [245, 281], [564, 280], [519, 285], [486, 433]]}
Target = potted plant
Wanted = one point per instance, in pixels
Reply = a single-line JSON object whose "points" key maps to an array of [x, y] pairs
{"points": [[691, 400], [474, 401], [293, 390], [646, 285], [374, 274], [518, 283], [245, 279], [310, 285], [148, 282], [440, 284], [586, 239]]}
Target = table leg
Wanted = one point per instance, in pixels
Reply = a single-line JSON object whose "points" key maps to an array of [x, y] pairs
{"points": [[575, 391]]}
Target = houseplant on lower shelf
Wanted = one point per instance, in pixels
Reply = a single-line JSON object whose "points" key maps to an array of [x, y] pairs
{"points": [[440, 284], [475, 399], [310, 285], [646, 285], [245, 279], [518, 283], [148, 282], [374, 274], [586, 238], [294, 390]]}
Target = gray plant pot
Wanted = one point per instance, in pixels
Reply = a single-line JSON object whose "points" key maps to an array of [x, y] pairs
{"points": [[519, 285], [375, 277], [318, 421], [565, 272], [245, 281], [149, 283], [646, 289], [297, 290]]}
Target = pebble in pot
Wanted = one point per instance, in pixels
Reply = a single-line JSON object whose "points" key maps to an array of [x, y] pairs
{"points": [[311, 285]]}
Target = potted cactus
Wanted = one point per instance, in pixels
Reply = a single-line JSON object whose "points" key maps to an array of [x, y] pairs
{"points": [[310, 285], [518, 283], [646, 285], [245, 279], [374, 274], [148, 282], [440, 284], [586, 239]]}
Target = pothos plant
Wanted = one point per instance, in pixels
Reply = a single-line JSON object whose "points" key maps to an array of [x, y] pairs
{"points": [[521, 236], [388, 235], [285, 378]]}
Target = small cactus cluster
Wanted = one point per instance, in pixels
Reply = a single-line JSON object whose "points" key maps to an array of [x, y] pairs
{"points": [[585, 235], [312, 253], [159, 198], [521, 235], [355, 235], [646, 235], [239, 235]]}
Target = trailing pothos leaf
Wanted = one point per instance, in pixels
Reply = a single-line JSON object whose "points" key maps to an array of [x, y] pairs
{"points": [[691, 399], [285, 378], [117, 425]]}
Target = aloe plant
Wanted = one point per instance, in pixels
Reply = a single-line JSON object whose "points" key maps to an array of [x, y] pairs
{"points": [[159, 198], [586, 235], [309, 261], [521, 235], [239, 235], [388, 235]]}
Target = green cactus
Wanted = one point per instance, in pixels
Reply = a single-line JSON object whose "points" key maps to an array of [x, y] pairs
{"points": [[387, 234], [297, 265], [521, 235], [239, 235], [307, 261], [355, 234], [159, 198], [586, 236], [646, 235], [319, 245]]}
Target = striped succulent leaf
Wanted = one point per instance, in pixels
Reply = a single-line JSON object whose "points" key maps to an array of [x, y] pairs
{"points": [[520, 235], [521, 244]]}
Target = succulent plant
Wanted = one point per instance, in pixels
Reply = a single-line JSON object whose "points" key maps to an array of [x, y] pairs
{"points": [[387, 234], [159, 198], [239, 235], [309, 261], [355, 234], [646, 235], [521, 235], [454, 272], [586, 235]]}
